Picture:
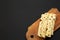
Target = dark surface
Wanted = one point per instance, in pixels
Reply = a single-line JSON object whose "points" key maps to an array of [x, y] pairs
{"points": [[21, 14]]}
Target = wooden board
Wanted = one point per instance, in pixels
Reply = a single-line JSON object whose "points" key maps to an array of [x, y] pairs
{"points": [[31, 33]]}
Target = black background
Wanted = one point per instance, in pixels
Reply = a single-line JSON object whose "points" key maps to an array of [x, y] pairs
{"points": [[17, 15]]}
